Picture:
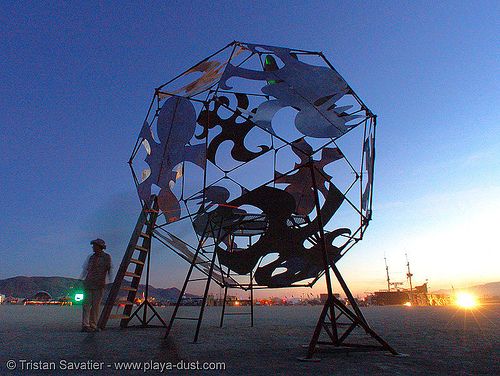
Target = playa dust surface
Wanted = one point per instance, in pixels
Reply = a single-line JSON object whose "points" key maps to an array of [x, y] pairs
{"points": [[437, 340]]}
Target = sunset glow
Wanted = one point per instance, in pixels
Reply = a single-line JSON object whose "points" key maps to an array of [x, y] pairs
{"points": [[466, 300]]}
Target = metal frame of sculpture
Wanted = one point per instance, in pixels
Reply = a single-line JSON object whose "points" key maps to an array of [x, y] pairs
{"points": [[262, 161]]}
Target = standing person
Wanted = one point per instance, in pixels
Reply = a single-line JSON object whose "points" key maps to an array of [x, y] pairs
{"points": [[94, 275]]}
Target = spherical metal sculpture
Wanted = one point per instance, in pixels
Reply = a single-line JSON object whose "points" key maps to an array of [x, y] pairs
{"points": [[262, 152], [258, 163]]}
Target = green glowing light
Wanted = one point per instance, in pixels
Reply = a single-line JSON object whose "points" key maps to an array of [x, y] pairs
{"points": [[79, 297]]}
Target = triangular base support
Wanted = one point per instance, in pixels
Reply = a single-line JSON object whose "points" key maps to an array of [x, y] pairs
{"points": [[338, 331], [145, 320]]}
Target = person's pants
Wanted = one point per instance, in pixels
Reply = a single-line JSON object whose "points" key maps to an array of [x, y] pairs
{"points": [[91, 304]]}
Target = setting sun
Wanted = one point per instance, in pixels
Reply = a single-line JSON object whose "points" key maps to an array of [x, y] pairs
{"points": [[465, 300]]}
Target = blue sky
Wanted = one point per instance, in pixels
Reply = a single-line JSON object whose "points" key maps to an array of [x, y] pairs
{"points": [[77, 79]]}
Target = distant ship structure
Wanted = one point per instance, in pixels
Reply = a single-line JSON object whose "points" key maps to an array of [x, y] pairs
{"points": [[411, 296]]}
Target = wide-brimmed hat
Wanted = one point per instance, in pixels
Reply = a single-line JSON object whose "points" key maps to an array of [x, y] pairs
{"points": [[101, 243]]}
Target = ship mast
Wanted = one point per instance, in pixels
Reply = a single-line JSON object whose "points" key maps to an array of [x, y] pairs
{"points": [[409, 275], [387, 271]]}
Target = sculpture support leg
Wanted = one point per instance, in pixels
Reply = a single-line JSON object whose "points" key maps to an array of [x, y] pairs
{"points": [[356, 317]]}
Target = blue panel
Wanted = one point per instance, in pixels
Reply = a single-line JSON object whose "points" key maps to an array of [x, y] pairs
{"points": [[175, 127]]}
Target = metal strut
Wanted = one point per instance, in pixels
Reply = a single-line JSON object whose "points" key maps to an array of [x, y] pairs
{"points": [[213, 227], [333, 328], [228, 285]]}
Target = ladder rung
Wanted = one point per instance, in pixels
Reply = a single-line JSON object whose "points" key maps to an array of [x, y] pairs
{"points": [[136, 261], [126, 288], [186, 318], [118, 317], [130, 274], [142, 249], [144, 235], [123, 301], [198, 279]]}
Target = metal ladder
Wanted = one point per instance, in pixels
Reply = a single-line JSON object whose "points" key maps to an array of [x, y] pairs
{"points": [[224, 301], [227, 286], [213, 227], [131, 270]]}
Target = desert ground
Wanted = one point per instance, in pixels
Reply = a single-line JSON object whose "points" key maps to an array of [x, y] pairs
{"points": [[435, 340]]}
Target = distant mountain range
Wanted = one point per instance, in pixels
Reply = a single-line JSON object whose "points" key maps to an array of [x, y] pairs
{"points": [[27, 287], [489, 290]]}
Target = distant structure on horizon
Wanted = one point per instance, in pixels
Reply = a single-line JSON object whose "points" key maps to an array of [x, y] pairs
{"points": [[397, 295]]}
